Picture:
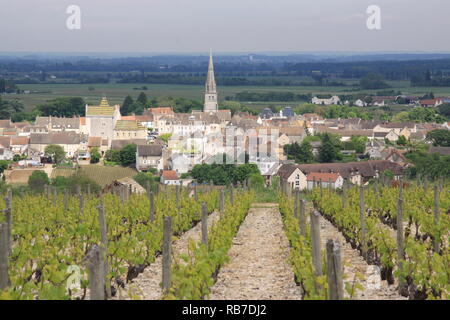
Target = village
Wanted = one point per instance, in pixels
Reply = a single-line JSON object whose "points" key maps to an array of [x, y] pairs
{"points": [[170, 144]]}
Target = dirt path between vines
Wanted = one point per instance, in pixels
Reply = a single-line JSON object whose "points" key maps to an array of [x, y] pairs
{"points": [[147, 285], [258, 268], [356, 269]]}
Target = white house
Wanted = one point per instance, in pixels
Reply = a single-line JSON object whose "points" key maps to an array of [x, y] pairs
{"points": [[327, 102], [360, 103], [149, 156], [170, 177], [333, 180]]}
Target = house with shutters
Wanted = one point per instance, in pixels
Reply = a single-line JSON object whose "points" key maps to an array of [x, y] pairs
{"points": [[328, 180], [149, 156]]}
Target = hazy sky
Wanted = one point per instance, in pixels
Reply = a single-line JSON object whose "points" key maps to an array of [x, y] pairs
{"points": [[224, 25]]}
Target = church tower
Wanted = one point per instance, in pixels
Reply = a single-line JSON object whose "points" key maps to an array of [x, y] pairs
{"points": [[210, 89]]}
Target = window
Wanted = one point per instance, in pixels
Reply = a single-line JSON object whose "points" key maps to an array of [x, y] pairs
{"points": [[297, 183]]}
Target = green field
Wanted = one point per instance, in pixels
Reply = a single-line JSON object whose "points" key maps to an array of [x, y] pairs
{"points": [[117, 92]]}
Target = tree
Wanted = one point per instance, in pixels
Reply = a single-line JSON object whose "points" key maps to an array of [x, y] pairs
{"points": [[56, 152], [9, 108], [256, 181], [112, 155], [373, 81], [137, 108], [444, 110], [3, 165], [329, 150], [300, 153], [63, 107], [143, 177], [126, 106], [142, 98], [95, 155], [439, 137], [401, 141], [165, 137], [38, 180], [128, 155]]}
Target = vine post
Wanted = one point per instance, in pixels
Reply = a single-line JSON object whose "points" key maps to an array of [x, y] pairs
{"points": [[9, 220], [55, 195], [315, 240], [334, 271], [151, 198], [362, 213], [96, 273], [344, 194], [204, 225], [166, 249], [104, 246], [66, 200], [400, 247], [302, 217], [436, 238], [222, 201], [321, 188], [81, 203], [296, 202], [4, 252], [177, 188], [232, 195]]}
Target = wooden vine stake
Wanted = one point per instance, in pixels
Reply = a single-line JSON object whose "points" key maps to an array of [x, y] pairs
{"points": [[167, 248], [302, 217], [204, 225], [96, 273], [315, 239], [151, 198], [9, 220], [232, 195], [66, 200], [4, 253], [334, 271], [321, 188], [222, 201], [402, 286], [296, 202], [436, 238], [104, 247], [344, 194], [362, 218], [55, 195], [177, 188]]}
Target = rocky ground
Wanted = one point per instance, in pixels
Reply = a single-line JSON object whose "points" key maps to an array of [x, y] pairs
{"points": [[147, 285], [258, 267], [356, 270]]}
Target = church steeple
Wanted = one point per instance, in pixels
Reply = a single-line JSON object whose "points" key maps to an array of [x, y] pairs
{"points": [[210, 88]]}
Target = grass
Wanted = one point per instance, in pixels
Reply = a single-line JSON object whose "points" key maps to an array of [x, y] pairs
{"points": [[116, 92], [100, 174]]}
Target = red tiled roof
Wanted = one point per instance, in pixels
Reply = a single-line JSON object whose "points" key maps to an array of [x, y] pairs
{"points": [[161, 110], [430, 101], [129, 118], [19, 141], [170, 175], [325, 177]]}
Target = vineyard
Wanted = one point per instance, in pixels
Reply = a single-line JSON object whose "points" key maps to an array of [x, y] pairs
{"points": [[404, 231], [197, 243], [52, 235]]}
